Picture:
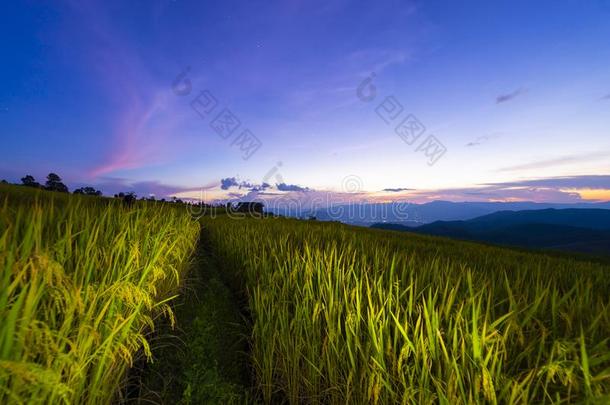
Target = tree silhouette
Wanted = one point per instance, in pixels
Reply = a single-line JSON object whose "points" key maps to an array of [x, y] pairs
{"points": [[54, 183], [29, 181], [128, 198], [253, 208], [87, 191]]}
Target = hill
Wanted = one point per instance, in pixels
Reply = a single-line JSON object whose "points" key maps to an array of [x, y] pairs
{"points": [[577, 230], [277, 310], [418, 214]]}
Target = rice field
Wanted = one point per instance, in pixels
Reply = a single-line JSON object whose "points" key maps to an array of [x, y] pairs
{"points": [[336, 314], [83, 280], [351, 315]]}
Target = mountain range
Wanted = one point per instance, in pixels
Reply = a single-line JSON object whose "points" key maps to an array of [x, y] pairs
{"points": [[410, 214], [585, 230]]}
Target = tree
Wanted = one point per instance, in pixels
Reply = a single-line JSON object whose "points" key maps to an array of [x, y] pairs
{"points": [[3, 182], [54, 183], [128, 198], [87, 191], [252, 208], [29, 181]]}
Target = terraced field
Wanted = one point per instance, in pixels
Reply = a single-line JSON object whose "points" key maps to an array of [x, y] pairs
{"points": [[276, 310]]}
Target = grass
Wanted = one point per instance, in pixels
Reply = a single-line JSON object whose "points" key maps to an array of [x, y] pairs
{"points": [[331, 313], [348, 315], [205, 359], [83, 280]]}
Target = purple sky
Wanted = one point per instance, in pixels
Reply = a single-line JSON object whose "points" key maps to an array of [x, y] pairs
{"points": [[378, 101]]}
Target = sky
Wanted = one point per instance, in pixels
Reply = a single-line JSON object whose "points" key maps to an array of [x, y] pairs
{"points": [[383, 101]]}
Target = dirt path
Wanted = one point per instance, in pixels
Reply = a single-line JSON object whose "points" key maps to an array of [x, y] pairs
{"points": [[205, 359]]}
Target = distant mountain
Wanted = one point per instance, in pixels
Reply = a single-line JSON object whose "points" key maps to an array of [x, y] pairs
{"points": [[578, 230], [583, 218], [418, 214]]}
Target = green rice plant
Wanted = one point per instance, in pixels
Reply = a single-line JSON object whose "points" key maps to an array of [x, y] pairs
{"points": [[82, 280], [352, 315]]}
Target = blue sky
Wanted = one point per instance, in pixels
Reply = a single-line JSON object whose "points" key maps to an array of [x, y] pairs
{"points": [[517, 93]]}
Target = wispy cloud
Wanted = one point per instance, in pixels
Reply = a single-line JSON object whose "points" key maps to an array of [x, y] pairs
{"points": [[113, 185], [484, 139], [567, 189], [562, 160], [503, 98], [141, 119], [377, 60], [397, 190], [480, 140], [606, 97], [600, 182]]}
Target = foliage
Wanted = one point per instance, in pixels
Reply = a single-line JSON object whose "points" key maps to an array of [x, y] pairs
{"points": [[54, 183], [128, 198], [360, 316], [88, 191], [82, 281], [29, 181], [339, 314], [204, 360]]}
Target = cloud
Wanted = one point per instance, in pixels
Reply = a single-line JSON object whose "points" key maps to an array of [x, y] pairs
{"points": [[233, 182], [566, 189], [290, 187], [502, 98], [260, 187], [606, 97], [548, 190], [114, 185], [378, 59], [144, 118], [557, 161], [229, 182], [598, 182], [397, 190], [480, 140]]}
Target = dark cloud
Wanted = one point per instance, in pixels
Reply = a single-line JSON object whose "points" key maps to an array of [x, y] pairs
{"points": [[229, 182], [290, 187], [233, 182], [260, 187], [502, 98], [397, 190]]}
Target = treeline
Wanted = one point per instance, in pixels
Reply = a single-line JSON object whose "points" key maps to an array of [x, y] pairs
{"points": [[55, 183]]}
